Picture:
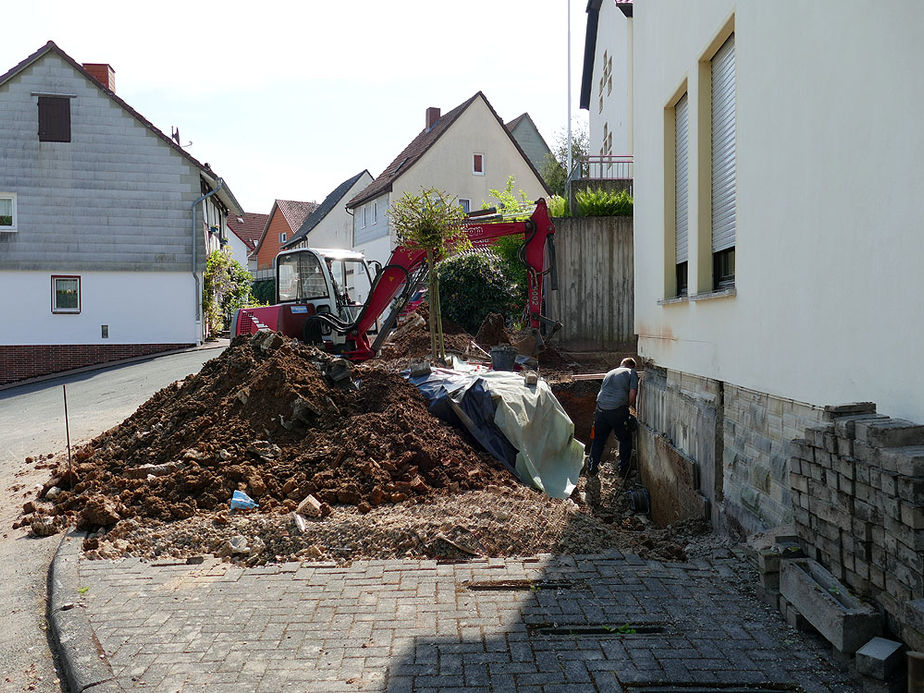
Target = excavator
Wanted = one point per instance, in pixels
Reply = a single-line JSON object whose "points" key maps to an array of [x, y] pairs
{"points": [[313, 287]]}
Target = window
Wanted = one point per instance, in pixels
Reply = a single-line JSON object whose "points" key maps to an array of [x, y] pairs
{"points": [[465, 204], [7, 212], [282, 237], [54, 119], [681, 223], [365, 210], [723, 165], [375, 212], [65, 294], [478, 164]]}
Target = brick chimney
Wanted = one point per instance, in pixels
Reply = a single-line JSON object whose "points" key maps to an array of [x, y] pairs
{"points": [[433, 115], [102, 73]]}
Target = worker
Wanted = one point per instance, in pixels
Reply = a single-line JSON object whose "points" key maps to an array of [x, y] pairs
{"points": [[617, 394]]}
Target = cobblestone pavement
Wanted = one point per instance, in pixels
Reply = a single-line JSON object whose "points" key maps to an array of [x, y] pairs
{"points": [[553, 623]]}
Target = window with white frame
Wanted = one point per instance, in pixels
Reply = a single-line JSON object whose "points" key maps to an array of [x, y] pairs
{"points": [[723, 166], [7, 212], [375, 212], [465, 204], [478, 164], [365, 214], [282, 237], [65, 293]]}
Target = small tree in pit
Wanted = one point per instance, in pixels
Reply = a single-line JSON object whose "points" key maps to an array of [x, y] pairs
{"points": [[430, 221]]}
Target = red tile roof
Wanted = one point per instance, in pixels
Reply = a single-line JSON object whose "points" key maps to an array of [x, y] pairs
{"points": [[248, 227], [295, 212]]}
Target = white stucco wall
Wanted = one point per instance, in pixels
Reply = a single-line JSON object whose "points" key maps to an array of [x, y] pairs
{"points": [[373, 238], [829, 205], [614, 38], [138, 307], [238, 248]]}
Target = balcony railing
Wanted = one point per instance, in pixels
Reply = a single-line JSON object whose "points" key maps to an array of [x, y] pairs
{"points": [[603, 167]]}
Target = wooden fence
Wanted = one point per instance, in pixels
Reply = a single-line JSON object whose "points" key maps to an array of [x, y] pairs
{"points": [[595, 293]]}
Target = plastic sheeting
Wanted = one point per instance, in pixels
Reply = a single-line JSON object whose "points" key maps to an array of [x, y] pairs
{"points": [[523, 426]]}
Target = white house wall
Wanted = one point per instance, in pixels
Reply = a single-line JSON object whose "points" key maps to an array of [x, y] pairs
{"points": [[829, 253], [138, 307], [335, 230], [372, 237], [614, 37]]}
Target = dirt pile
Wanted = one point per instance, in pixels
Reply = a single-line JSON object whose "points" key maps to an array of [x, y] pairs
{"points": [[263, 418], [413, 341]]}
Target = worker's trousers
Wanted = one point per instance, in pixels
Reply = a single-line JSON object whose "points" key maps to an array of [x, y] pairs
{"points": [[608, 421]]}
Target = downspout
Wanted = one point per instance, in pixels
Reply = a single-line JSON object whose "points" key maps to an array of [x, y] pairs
{"points": [[198, 296]]}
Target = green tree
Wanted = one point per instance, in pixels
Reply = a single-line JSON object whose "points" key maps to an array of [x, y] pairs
{"points": [[507, 200], [554, 169], [430, 221], [226, 286]]}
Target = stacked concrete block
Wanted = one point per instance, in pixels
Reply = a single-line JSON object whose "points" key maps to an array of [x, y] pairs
{"points": [[857, 485]]}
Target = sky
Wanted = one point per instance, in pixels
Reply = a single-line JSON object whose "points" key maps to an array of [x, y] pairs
{"points": [[285, 100]]}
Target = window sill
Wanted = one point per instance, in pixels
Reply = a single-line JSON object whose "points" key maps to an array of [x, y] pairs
{"points": [[722, 293], [673, 300]]}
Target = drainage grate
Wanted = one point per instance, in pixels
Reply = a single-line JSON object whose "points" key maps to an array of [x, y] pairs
{"points": [[598, 629], [711, 687], [518, 585]]}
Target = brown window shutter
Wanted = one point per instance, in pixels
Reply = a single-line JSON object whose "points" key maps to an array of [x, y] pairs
{"points": [[54, 116]]}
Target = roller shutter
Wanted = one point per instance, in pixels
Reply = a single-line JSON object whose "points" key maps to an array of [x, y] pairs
{"points": [[680, 178], [723, 147]]}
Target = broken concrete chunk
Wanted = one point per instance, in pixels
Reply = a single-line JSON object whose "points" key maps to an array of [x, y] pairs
{"points": [[243, 395], [300, 523], [52, 493], [146, 471], [309, 507], [238, 545]]}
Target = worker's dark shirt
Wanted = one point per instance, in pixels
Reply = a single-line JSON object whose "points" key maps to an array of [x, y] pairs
{"points": [[614, 392]]}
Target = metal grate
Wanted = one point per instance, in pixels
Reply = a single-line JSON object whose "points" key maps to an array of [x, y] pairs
{"points": [[518, 585], [596, 629]]}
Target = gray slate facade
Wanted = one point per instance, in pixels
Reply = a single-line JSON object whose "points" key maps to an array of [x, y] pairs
{"points": [[117, 197]]}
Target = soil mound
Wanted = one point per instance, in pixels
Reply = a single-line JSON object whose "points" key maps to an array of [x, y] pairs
{"points": [[413, 341], [263, 418]]}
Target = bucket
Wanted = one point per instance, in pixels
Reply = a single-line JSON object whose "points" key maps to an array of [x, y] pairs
{"points": [[503, 357]]}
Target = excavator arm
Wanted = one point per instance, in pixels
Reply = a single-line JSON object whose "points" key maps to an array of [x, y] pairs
{"points": [[406, 269]]}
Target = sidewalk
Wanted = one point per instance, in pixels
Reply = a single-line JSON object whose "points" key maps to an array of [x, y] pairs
{"points": [[594, 623]]}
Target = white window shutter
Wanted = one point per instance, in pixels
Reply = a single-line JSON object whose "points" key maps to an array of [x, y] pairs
{"points": [[680, 178], [723, 147]]}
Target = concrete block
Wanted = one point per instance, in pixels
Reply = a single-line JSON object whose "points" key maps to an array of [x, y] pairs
{"points": [[888, 483], [815, 435], [845, 621], [768, 561], [913, 614], [910, 489], [770, 581], [912, 515], [836, 411], [879, 658], [844, 426], [889, 433], [907, 461]]}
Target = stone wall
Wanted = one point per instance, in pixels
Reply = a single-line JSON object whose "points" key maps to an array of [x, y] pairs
{"points": [[734, 440], [857, 485]]}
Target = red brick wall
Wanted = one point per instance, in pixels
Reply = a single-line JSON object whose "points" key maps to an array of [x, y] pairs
{"points": [[28, 361], [270, 246]]}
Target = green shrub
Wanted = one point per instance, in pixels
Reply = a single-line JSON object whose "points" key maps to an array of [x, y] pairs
{"points": [[558, 207], [603, 203], [473, 284], [225, 288]]}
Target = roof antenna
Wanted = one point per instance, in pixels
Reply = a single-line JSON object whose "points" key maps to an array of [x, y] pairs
{"points": [[175, 136]]}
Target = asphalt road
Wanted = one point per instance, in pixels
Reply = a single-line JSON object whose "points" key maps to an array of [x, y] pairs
{"points": [[31, 424]]}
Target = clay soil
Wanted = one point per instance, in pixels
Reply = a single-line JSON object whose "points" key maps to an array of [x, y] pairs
{"points": [[268, 417]]}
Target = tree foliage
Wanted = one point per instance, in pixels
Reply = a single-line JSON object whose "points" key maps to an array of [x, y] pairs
{"points": [[430, 221], [225, 288], [554, 169]]}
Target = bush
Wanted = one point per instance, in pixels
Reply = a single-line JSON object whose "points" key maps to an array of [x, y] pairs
{"points": [[473, 284], [558, 207], [603, 203], [508, 250]]}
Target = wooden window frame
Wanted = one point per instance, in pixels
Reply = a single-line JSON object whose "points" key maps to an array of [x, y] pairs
{"points": [[11, 196]]}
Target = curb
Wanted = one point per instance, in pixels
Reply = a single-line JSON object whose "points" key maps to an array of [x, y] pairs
{"points": [[222, 343], [81, 656]]}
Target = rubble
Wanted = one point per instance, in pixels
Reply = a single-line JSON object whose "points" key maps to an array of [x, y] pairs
{"points": [[341, 468]]}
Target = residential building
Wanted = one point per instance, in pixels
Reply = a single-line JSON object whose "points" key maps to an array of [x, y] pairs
{"points": [[606, 89], [105, 223], [330, 225], [464, 153], [285, 218], [246, 230], [531, 141], [777, 237]]}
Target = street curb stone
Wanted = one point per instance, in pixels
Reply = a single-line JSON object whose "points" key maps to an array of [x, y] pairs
{"points": [[78, 649]]}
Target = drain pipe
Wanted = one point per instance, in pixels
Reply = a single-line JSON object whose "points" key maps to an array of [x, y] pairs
{"points": [[198, 296]]}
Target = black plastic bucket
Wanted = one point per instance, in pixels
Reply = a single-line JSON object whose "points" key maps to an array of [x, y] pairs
{"points": [[503, 357]]}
